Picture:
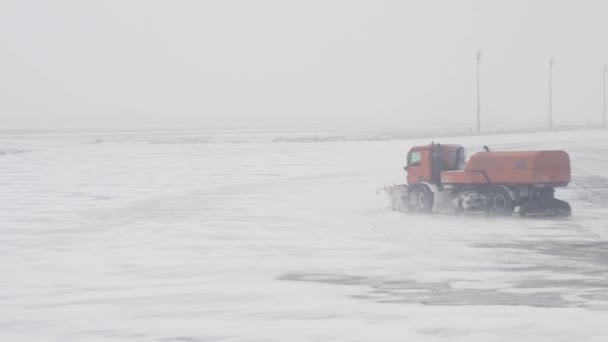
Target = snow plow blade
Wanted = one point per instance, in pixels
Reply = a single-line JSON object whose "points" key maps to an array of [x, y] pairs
{"points": [[398, 195]]}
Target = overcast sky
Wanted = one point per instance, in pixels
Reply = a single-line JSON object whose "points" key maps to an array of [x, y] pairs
{"points": [[124, 64]]}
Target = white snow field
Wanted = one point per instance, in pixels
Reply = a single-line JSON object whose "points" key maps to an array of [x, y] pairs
{"points": [[245, 236]]}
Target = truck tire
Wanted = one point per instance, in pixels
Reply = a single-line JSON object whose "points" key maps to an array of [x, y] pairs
{"points": [[423, 199], [501, 203]]}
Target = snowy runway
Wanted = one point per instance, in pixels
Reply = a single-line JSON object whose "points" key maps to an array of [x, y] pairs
{"points": [[242, 237]]}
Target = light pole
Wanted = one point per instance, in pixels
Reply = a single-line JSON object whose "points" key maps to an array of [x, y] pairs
{"points": [[604, 99], [478, 94], [550, 94]]}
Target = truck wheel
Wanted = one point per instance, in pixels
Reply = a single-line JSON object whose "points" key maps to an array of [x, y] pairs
{"points": [[424, 199], [501, 202]]}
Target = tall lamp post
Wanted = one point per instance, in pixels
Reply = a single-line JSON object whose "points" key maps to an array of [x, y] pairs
{"points": [[550, 94], [604, 99], [478, 94]]}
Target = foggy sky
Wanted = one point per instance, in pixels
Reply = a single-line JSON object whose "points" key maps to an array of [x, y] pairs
{"points": [[124, 64]]}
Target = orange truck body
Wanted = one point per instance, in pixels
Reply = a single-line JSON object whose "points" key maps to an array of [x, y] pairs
{"points": [[525, 167], [495, 183]]}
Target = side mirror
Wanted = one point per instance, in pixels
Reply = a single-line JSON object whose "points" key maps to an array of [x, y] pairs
{"points": [[405, 168]]}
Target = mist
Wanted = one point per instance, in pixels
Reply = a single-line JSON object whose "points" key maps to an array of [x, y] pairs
{"points": [[208, 64], [303, 170]]}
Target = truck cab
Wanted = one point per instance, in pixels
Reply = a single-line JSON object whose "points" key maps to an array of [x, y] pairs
{"points": [[425, 163]]}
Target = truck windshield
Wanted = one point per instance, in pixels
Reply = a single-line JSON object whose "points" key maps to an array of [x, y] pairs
{"points": [[414, 159]]}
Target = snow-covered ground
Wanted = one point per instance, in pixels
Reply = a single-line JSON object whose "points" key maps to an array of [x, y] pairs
{"points": [[253, 237]]}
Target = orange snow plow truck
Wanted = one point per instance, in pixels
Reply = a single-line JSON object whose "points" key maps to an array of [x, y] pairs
{"points": [[495, 183]]}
